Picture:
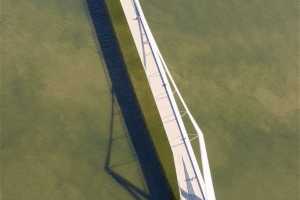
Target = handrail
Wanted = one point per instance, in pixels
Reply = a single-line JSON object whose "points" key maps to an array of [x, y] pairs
{"points": [[205, 182], [204, 158], [175, 109]]}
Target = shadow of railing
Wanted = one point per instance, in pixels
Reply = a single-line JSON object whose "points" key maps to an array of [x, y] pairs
{"points": [[133, 117], [136, 192]]}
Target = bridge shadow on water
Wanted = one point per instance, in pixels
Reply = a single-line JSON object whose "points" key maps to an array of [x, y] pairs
{"points": [[133, 117]]}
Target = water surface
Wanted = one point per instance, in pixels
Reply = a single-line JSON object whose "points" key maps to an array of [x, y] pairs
{"points": [[236, 64]]}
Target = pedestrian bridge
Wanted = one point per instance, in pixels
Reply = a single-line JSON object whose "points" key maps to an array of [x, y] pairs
{"points": [[193, 183]]}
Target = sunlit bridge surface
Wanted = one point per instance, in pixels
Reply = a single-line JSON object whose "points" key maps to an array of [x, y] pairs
{"points": [[193, 183]]}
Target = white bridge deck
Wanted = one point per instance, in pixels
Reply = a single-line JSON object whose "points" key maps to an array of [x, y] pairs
{"points": [[191, 183]]}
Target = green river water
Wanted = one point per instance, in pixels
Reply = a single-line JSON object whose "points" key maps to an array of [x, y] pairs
{"points": [[235, 62]]}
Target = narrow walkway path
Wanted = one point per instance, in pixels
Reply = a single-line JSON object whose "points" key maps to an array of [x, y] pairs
{"points": [[189, 177]]}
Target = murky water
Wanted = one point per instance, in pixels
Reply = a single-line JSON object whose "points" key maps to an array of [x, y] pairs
{"points": [[62, 132], [63, 135], [236, 63]]}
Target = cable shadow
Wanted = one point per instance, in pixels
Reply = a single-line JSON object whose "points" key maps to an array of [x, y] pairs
{"points": [[130, 110]]}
